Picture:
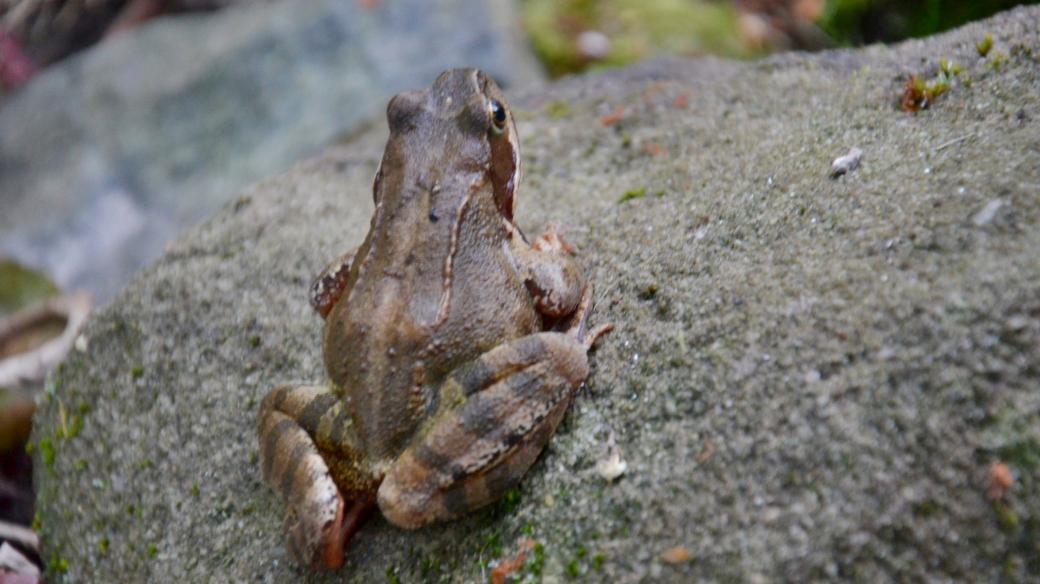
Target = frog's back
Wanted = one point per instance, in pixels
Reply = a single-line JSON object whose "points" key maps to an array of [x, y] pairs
{"points": [[411, 315]]}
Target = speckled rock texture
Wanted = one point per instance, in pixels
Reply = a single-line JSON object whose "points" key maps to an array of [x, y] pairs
{"points": [[809, 381]]}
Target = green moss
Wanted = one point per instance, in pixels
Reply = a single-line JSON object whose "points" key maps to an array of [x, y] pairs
{"points": [[574, 567], [47, 451], [391, 575], [998, 61], [537, 563], [152, 550], [54, 382], [195, 489], [633, 194], [136, 372], [75, 427], [103, 546], [58, 564], [1006, 517], [648, 292], [573, 570], [597, 562], [492, 546], [510, 501], [22, 287], [557, 109], [429, 566], [984, 46], [1024, 454], [920, 94], [527, 530], [1010, 568], [37, 522], [81, 465], [926, 508], [254, 341], [949, 68]]}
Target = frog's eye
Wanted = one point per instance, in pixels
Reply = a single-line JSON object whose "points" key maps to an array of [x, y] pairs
{"points": [[497, 112]]}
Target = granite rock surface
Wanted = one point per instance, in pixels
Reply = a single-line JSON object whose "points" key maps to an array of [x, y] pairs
{"points": [[811, 378]]}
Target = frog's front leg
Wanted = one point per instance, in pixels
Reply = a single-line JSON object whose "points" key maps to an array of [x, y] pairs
{"points": [[553, 279], [494, 417], [309, 458], [330, 283]]}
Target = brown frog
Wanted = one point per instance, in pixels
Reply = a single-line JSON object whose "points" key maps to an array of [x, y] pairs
{"points": [[453, 345]]}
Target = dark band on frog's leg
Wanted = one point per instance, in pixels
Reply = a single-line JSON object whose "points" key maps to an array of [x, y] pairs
{"points": [[288, 452], [269, 442], [294, 426], [326, 422], [480, 448], [493, 366], [341, 429], [319, 407], [472, 492]]}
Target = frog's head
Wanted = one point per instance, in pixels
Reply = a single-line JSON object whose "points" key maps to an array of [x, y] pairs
{"points": [[458, 134]]}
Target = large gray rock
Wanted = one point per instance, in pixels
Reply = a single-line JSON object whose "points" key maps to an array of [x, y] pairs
{"points": [[106, 157], [809, 378]]}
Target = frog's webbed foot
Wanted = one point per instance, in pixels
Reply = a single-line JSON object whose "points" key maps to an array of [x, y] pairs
{"points": [[330, 283], [296, 425], [495, 416]]}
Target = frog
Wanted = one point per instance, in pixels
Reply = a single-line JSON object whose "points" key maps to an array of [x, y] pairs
{"points": [[453, 344]]}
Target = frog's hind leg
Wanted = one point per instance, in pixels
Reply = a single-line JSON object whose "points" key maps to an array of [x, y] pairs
{"points": [[297, 426], [494, 417]]}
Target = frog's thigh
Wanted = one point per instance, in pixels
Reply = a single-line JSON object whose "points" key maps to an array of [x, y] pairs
{"points": [[496, 415], [293, 423]]}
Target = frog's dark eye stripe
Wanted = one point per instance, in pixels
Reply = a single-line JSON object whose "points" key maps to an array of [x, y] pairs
{"points": [[498, 115]]}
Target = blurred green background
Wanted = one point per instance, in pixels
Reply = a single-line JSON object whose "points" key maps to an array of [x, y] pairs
{"points": [[574, 35]]}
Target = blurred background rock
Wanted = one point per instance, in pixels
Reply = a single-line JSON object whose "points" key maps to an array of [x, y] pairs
{"points": [[122, 122], [106, 155]]}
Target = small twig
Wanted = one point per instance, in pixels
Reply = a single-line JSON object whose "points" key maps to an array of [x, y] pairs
{"points": [[949, 143]]}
